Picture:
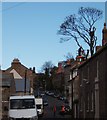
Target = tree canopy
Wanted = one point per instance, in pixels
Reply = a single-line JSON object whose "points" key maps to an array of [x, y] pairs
{"points": [[47, 65], [81, 26]]}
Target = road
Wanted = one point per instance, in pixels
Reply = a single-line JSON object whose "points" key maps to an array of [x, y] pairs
{"points": [[48, 110]]}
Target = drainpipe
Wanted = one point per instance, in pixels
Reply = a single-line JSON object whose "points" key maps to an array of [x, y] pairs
{"points": [[25, 81]]}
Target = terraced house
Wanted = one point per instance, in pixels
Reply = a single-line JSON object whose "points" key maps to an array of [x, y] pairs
{"points": [[93, 83], [7, 87]]}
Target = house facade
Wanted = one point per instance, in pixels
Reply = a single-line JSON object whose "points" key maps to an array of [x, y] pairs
{"points": [[73, 83], [7, 87], [93, 83], [22, 72], [58, 78]]}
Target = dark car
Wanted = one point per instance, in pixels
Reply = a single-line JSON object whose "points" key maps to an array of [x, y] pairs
{"points": [[45, 102]]}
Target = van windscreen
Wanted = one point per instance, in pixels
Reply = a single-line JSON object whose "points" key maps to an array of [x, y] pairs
{"points": [[22, 103]]}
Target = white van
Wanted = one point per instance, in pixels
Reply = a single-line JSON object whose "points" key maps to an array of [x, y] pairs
{"points": [[39, 104], [22, 107]]}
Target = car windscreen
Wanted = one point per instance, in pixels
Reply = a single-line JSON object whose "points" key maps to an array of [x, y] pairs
{"points": [[22, 103]]}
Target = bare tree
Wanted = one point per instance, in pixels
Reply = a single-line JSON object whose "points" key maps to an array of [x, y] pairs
{"points": [[47, 66], [81, 27]]}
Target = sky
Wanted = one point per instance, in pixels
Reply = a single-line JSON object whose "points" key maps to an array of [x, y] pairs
{"points": [[29, 31]]}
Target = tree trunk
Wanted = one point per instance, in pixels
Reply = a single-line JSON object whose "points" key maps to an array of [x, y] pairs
{"points": [[91, 45]]}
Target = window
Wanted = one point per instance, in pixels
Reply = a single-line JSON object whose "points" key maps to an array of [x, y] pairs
{"points": [[92, 101], [22, 103]]}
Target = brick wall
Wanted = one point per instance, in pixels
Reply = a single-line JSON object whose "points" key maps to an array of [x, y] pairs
{"points": [[20, 69]]}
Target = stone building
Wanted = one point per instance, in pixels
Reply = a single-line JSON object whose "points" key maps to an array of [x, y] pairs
{"points": [[73, 84], [69, 64], [93, 83], [7, 87]]}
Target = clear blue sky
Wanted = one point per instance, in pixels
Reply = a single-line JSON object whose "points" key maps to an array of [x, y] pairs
{"points": [[29, 31]]}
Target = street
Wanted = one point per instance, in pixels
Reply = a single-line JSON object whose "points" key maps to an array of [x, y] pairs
{"points": [[48, 110]]}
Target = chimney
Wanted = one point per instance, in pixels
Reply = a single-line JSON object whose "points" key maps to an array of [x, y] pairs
{"points": [[33, 69], [60, 68], [15, 61], [60, 64], [104, 35]]}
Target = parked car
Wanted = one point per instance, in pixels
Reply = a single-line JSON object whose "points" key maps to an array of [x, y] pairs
{"points": [[56, 95], [45, 102], [51, 93], [39, 105], [66, 111], [46, 92]]}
